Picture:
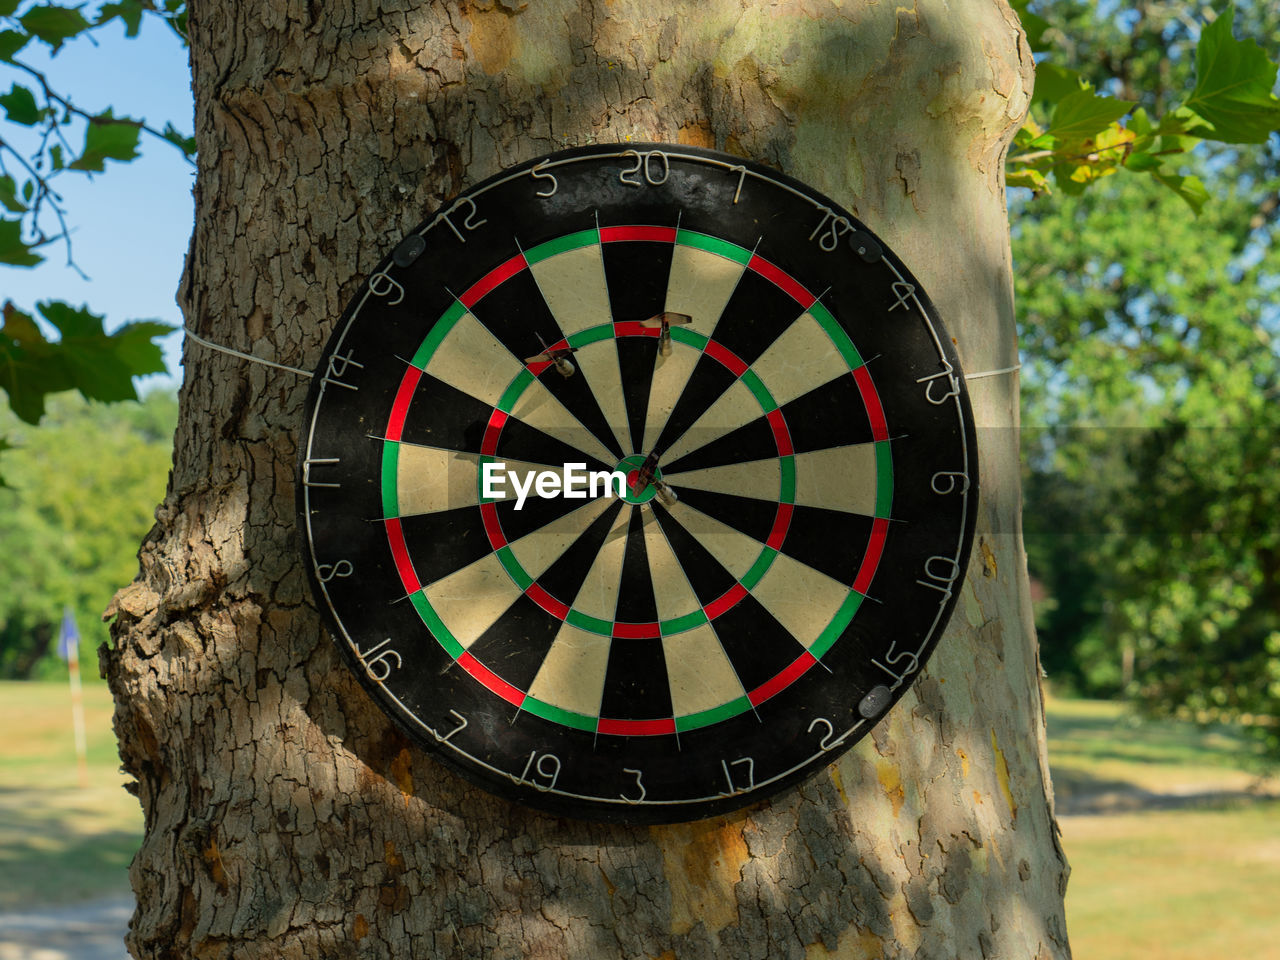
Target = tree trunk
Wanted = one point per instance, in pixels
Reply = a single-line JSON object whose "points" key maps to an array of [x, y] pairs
{"points": [[285, 815]]}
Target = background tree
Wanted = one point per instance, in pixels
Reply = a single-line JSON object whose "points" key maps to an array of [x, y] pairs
{"points": [[285, 816], [1153, 358], [68, 520]]}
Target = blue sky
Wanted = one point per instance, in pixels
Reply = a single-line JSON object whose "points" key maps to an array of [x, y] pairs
{"points": [[130, 225]]}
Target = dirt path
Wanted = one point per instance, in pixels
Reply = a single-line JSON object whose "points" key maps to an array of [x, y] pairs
{"points": [[83, 931]]}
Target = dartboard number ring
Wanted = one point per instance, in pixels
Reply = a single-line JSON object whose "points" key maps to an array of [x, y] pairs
{"points": [[637, 483]]}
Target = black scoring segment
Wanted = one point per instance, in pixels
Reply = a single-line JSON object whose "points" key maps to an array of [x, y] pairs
{"points": [[708, 578], [751, 441], [636, 685], [758, 646], [755, 316], [443, 416], [636, 603], [831, 415], [519, 441], [517, 642], [564, 578], [443, 543], [745, 514], [710, 378], [828, 540], [516, 314], [636, 272], [636, 357]]}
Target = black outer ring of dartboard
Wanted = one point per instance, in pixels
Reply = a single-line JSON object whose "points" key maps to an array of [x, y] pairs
{"points": [[584, 807]]}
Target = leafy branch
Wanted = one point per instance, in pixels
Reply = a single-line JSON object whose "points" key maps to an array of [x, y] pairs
{"points": [[80, 355], [44, 109], [1074, 136], [84, 357]]}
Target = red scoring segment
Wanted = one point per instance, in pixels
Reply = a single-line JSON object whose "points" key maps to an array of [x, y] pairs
{"points": [[652, 234], [633, 328], [871, 559], [400, 407], [400, 551], [513, 695], [726, 357], [871, 400], [780, 681], [636, 728], [782, 280], [489, 445], [495, 277], [493, 526]]}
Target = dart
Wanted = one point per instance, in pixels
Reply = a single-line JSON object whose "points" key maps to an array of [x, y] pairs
{"points": [[644, 475], [665, 493], [560, 357], [665, 320]]}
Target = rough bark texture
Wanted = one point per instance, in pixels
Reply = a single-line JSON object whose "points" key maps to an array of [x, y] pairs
{"points": [[285, 817]]}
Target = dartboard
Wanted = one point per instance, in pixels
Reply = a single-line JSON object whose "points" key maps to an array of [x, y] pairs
{"points": [[637, 482]]}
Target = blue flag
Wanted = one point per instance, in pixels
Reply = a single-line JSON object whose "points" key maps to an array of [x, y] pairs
{"points": [[68, 635]]}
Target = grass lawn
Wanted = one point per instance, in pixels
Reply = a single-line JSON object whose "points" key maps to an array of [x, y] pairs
{"points": [[1199, 880], [60, 842], [1175, 885]]}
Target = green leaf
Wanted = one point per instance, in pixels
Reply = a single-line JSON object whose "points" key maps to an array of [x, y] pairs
{"points": [[1181, 121], [108, 138], [1084, 114], [1189, 189], [174, 135], [100, 365], [129, 11], [1143, 162], [54, 25], [12, 250], [84, 357], [1065, 175], [1030, 178], [1140, 122], [29, 368], [1233, 85], [7, 7], [134, 344], [20, 106], [55, 157], [11, 41], [9, 195], [1054, 82]]}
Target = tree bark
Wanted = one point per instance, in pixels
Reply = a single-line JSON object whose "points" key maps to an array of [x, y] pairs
{"points": [[285, 816]]}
